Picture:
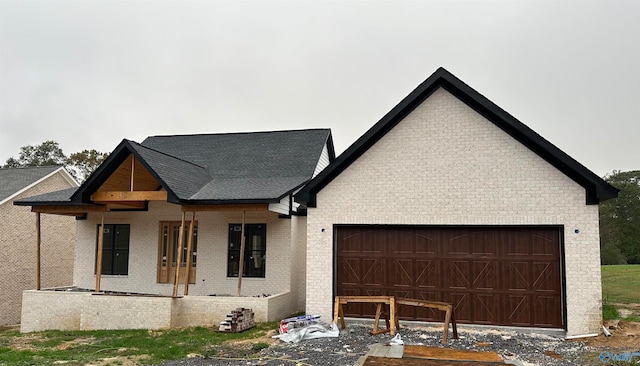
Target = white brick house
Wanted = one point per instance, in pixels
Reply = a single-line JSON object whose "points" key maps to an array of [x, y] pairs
{"points": [[450, 198], [136, 232]]}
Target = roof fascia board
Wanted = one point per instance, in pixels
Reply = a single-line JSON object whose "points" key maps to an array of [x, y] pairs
{"points": [[228, 201], [69, 178], [61, 169]]}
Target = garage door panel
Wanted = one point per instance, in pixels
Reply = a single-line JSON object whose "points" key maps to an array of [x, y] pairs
{"points": [[427, 274], [399, 242], [516, 244], [545, 314], [349, 271], [364, 242], [461, 305], [401, 272], [425, 243], [459, 274], [485, 275], [518, 310], [352, 243], [517, 276], [459, 245], [542, 248], [492, 275], [544, 276], [374, 272], [485, 308], [482, 244]]}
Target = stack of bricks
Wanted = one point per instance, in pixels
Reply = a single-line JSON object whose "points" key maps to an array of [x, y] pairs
{"points": [[238, 320]]}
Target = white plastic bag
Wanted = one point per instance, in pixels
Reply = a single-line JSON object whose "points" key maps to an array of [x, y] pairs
{"points": [[296, 335], [396, 340]]}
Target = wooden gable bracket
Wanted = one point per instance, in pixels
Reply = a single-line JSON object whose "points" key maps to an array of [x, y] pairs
{"points": [[69, 210], [124, 197]]}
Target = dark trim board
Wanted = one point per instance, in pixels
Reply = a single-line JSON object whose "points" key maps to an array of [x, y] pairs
{"points": [[563, 273]]}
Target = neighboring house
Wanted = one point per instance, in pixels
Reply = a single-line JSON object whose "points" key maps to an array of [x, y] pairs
{"points": [[142, 195], [450, 198], [18, 241]]}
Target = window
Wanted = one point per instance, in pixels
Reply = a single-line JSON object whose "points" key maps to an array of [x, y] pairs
{"points": [[255, 250], [168, 251], [115, 249]]}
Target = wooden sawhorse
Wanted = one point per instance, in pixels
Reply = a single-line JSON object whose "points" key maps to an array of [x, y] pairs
{"points": [[391, 317], [449, 316], [379, 301]]}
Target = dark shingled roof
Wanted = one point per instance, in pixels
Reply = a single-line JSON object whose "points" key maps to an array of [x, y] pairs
{"points": [[596, 188], [51, 198], [257, 167], [183, 177], [12, 180], [254, 166]]}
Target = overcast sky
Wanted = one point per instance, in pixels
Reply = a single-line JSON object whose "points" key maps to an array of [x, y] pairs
{"points": [[88, 74]]}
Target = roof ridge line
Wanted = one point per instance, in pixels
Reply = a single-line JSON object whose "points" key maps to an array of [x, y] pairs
{"points": [[242, 132]]}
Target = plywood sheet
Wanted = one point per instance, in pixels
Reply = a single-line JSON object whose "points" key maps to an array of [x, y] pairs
{"points": [[449, 354]]}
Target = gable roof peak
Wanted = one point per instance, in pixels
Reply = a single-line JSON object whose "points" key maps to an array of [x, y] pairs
{"points": [[596, 188], [14, 181]]}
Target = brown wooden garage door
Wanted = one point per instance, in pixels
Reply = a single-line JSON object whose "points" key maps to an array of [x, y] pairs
{"points": [[493, 275]]}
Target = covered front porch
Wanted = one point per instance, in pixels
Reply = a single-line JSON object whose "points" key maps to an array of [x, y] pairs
{"points": [[140, 300], [137, 250]]}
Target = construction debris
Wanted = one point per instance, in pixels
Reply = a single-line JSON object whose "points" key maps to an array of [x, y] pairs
{"points": [[298, 322], [238, 320]]}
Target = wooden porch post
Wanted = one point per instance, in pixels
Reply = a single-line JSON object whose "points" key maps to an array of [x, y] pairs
{"points": [[179, 259], [99, 260], [241, 264], [189, 253], [38, 250]]}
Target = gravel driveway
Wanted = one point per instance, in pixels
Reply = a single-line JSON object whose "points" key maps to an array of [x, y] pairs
{"points": [[355, 340]]}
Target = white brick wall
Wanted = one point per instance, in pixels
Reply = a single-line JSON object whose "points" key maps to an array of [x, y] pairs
{"points": [[18, 249], [211, 272], [45, 310], [445, 164], [298, 257]]}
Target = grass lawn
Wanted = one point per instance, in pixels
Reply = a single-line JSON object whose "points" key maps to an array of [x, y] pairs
{"points": [[621, 283], [121, 347]]}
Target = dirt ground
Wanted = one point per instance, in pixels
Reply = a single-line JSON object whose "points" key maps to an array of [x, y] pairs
{"points": [[624, 334], [625, 337]]}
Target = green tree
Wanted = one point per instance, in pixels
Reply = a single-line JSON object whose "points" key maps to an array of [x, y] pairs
{"points": [[47, 153], [82, 164], [620, 220]]}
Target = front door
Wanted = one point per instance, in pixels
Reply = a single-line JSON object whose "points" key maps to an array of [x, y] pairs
{"points": [[168, 252]]}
